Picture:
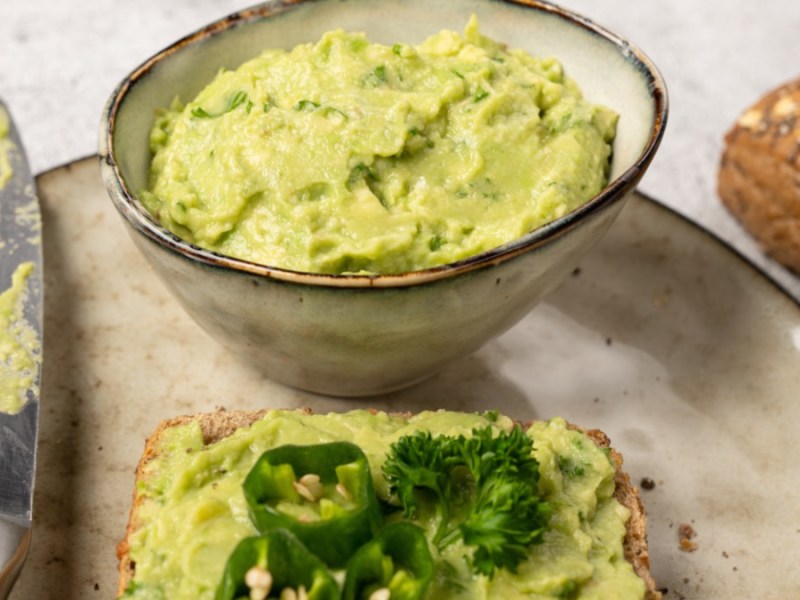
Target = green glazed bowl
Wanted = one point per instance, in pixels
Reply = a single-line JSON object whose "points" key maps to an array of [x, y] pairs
{"points": [[356, 335]]}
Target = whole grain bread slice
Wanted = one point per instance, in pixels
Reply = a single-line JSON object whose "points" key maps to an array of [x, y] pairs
{"points": [[220, 424]]}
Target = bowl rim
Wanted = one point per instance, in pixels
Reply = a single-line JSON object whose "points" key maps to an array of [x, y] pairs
{"points": [[134, 212]]}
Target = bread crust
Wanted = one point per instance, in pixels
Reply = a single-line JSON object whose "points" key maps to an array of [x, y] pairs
{"points": [[759, 174], [214, 426], [220, 424]]}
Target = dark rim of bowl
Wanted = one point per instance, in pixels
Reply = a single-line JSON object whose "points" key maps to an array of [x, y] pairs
{"points": [[135, 213]]}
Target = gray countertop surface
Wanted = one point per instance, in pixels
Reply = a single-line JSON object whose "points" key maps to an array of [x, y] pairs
{"points": [[60, 60]]}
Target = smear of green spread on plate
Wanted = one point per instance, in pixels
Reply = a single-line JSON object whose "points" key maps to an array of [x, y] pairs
{"points": [[346, 156], [194, 512], [20, 346]]}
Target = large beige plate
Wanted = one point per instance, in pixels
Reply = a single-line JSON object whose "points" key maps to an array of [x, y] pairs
{"points": [[684, 354]]}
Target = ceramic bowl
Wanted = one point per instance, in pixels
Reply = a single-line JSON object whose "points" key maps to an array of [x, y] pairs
{"points": [[350, 335]]}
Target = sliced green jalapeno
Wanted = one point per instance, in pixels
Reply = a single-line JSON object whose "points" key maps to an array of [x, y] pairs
{"points": [[263, 566], [397, 564], [322, 493]]}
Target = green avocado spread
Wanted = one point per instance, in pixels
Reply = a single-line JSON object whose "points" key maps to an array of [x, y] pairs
{"points": [[20, 347], [346, 156], [5, 147], [193, 510]]}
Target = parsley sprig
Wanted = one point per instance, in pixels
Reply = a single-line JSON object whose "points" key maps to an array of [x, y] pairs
{"points": [[485, 488]]}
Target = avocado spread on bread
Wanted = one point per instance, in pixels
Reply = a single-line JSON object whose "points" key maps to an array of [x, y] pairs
{"points": [[191, 512]]}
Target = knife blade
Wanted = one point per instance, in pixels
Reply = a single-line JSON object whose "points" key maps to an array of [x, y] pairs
{"points": [[20, 256]]}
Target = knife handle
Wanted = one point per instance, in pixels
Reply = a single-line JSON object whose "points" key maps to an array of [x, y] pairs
{"points": [[14, 544]]}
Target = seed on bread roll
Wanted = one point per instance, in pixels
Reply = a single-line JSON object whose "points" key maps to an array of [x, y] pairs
{"points": [[759, 176]]}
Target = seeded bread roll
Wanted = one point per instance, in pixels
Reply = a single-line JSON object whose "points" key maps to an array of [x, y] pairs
{"points": [[759, 176], [218, 425]]}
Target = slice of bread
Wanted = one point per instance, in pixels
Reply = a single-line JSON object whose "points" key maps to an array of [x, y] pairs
{"points": [[759, 174], [218, 425]]}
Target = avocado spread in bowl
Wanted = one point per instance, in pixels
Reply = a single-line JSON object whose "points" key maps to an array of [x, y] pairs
{"points": [[346, 156], [193, 512]]}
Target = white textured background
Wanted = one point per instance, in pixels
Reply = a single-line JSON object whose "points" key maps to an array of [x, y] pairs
{"points": [[60, 59]]}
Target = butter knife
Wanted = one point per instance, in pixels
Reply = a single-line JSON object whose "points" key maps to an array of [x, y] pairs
{"points": [[20, 253]]}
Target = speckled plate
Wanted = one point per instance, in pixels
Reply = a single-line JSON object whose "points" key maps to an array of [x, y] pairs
{"points": [[683, 353]]}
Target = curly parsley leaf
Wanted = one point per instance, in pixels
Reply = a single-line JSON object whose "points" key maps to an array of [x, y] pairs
{"points": [[504, 514]]}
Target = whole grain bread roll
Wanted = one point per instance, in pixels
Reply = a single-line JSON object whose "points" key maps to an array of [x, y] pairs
{"points": [[759, 175]]}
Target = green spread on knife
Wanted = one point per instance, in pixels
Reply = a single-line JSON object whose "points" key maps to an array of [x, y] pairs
{"points": [[351, 157], [5, 147], [194, 511], [20, 347]]}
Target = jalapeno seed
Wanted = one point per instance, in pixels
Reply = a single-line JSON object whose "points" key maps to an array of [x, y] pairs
{"points": [[381, 594], [312, 483], [343, 492], [259, 580]]}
